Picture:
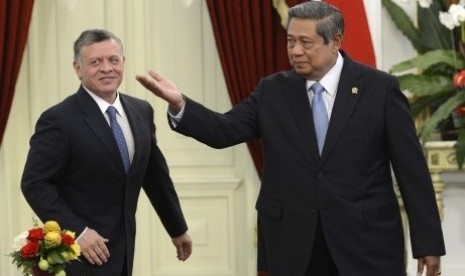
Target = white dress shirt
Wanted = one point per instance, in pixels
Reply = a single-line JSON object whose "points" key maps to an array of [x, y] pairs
{"points": [[330, 82]]}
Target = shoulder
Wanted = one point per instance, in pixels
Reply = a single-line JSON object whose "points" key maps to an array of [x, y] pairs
{"points": [[281, 80], [133, 100], [365, 71], [137, 107], [66, 106]]}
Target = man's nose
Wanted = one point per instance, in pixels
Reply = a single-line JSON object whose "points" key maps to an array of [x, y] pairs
{"points": [[106, 66]]}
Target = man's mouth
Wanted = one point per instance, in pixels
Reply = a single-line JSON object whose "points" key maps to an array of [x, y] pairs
{"points": [[106, 78]]}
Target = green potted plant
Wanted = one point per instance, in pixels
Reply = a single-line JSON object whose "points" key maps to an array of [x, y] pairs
{"points": [[435, 78]]}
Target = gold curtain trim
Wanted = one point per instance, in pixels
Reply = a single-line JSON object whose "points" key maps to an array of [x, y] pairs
{"points": [[281, 7]]}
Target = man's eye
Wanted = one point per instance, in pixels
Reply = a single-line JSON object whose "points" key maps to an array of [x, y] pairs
{"points": [[114, 60], [307, 44], [95, 62]]}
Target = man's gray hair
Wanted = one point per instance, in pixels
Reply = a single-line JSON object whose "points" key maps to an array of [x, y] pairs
{"points": [[330, 21], [89, 37]]}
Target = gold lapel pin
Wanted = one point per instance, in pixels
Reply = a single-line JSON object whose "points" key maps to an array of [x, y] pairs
{"points": [[354, 90]]}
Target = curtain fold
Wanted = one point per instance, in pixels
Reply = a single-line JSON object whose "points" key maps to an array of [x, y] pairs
{"points": [[15, 16], [251, 44]]}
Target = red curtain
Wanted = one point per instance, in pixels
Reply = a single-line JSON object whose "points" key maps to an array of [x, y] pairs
{"points": [[15, 16], [251, 44], [357, 39]]}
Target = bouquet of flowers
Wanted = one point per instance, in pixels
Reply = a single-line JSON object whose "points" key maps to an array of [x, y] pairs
{"points": [[45, 249]]}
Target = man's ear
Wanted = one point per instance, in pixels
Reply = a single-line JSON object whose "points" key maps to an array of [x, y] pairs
{"points": [[77, 69], [337, 40]]}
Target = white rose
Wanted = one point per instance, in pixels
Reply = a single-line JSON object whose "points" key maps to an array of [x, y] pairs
{"points": [[448, 20], [458, 12], [20, 241]]}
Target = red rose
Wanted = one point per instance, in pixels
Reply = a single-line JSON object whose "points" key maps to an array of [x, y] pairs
{"points": [[66, 239], [36, 234], [459, 79], [30, 250]]}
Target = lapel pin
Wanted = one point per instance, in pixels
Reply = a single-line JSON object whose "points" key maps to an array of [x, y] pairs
{"points": [[354, 90]]}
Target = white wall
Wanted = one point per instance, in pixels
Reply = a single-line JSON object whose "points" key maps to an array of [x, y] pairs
{"points": [[217, 188]]}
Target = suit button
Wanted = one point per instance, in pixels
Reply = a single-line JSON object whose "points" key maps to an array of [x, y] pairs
{"points": [[319, 174]]}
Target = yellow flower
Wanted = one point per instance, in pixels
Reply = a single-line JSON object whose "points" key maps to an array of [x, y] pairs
{"points": [[51, 226], [52, 239], [77, 251]]}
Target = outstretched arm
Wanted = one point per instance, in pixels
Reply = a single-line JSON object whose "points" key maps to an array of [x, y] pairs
{"points": [[163, 88]]}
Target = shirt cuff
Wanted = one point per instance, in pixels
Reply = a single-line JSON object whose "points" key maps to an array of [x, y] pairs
{"points": [[82, 233], [175, 118]]}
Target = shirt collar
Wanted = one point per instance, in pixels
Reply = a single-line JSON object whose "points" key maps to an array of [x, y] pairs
{"points": [[330, 81], [103, 105]]}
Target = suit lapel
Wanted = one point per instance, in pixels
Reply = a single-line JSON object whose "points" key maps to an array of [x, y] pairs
{"points": [[296, 94], [134, 117], [348, 92], [99, 126]]}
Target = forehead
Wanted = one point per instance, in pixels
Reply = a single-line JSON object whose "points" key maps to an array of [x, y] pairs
{"points": [[108, 47], [300, 27]]}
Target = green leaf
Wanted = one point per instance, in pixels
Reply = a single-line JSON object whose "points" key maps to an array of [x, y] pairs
{"points": [[429, 102], [434, 35], [425, 61], [460, 148], [404, 23], [422, 85], [56, 258], [444, 111]]}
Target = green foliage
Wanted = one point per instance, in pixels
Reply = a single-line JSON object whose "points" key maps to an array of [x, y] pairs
{"points": [[460, 148], [24, 265], [429, 76], [404, 24]]}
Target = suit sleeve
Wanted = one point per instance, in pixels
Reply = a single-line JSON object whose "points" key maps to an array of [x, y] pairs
{"points": [[217, 130], [44, 167], [161, 192], [413, 176]]}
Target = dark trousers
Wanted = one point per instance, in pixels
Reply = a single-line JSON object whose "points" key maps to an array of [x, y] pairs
{"points": [[321, 263]]}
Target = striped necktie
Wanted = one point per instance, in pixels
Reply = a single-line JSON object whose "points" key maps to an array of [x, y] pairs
{"points": [[119, 137]]}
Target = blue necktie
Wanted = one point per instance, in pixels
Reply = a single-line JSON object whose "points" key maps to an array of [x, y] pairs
{"points": [[119, 137], [320, 116]]}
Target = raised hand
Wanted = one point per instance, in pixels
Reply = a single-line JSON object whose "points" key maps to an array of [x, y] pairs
{"points": [[162, 88]]}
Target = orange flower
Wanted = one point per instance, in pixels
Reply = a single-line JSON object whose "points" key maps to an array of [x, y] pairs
{"points": [[459, 79]]}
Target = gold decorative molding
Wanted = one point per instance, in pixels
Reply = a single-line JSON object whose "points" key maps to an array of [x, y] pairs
{"points": [[440, 156]]}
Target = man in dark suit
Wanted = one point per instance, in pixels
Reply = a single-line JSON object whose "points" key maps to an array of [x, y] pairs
{"points": [[88, 180], [332, 129]]}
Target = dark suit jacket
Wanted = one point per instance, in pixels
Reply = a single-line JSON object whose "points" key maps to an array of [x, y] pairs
{"points": [[350, 186], [74, 175]]}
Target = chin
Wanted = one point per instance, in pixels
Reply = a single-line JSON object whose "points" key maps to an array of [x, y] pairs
{"points": [[302, 72]]}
